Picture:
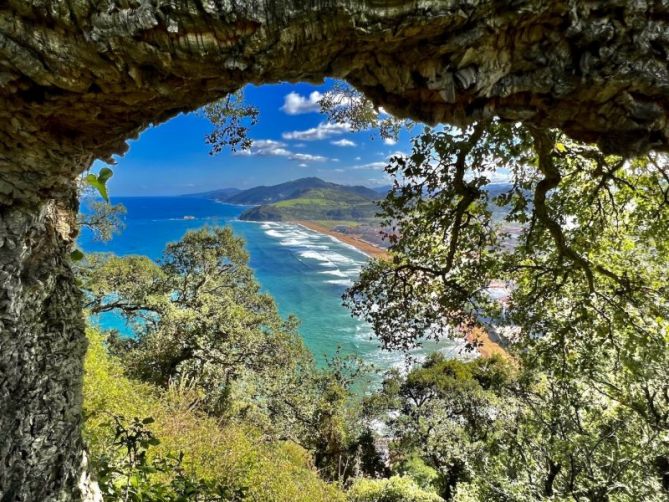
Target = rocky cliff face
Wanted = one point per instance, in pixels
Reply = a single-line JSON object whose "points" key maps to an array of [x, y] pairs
{"points": [[78, 78]]}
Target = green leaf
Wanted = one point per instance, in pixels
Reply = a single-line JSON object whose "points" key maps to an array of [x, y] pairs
{"points": [[92, 180], [98, 182], [148, 420], [104, 174], [76, 255]]}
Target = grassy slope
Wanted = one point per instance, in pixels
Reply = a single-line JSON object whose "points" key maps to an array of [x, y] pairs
{"points": [[317, 204], [233, 454], [294, 189]]}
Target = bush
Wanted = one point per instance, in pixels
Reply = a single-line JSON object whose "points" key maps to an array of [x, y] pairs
{"points": [[394, 489], [225, 455], [415, 467]]}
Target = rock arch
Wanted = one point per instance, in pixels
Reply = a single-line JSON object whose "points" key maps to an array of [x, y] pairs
{"points": [[78, 78]]}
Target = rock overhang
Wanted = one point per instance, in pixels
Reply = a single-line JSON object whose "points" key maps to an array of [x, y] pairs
{"points": [[77, 79]]}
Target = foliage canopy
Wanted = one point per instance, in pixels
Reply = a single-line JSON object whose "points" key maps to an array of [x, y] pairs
{"points": [[586, 313]]}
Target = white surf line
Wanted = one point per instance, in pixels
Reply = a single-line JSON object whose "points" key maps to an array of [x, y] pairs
{"points": [[267, 225], [345, 244]]}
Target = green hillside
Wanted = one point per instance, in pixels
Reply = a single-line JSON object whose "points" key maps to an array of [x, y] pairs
{"points": [[333, 203], [293, 189]]}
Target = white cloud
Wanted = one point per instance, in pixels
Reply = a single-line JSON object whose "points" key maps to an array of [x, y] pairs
{"points": [[379, 165], [266, 148], [372, 165], [358, 158], [397, 153], [389, 141], [308, 157], [324, 130], [379, 181], [294, 104], [343, 142], [499, 175], [273, 148], [302, 165]]}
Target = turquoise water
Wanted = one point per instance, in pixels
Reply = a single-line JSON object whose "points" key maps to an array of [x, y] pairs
{"points": [[306, 272]]}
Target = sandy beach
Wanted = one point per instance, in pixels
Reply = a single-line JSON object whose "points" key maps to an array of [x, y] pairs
{"points": [[367, 248], [485, 345]]}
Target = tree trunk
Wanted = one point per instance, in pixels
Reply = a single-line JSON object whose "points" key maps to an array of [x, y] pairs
{"points": [[42, 345]]}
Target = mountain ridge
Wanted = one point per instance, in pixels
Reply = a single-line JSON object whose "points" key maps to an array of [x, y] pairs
{"points": [[263, 194], [215, 194]]}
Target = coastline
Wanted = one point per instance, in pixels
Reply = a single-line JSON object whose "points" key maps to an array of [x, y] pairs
{"points": [[365, 247], [485, 345]]}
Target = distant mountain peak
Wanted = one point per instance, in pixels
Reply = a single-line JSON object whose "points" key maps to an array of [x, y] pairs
{"points": [[284, 191]]}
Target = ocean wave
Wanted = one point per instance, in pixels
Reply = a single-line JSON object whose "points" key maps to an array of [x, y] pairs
{"points": [[339, 258], [336, 272], [331, 257], [314, 255], [277, 234], [341, 282], [349, 246], [307, 242], [301, 243]]}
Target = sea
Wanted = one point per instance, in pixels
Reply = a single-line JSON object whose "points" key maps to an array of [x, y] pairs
{"points": [[306, 272]]}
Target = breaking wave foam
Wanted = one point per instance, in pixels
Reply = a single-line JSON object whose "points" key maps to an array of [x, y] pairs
{"points": [[341, 282]]}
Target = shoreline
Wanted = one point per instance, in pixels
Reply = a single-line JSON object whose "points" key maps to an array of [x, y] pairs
{"points": [[488, 347], [363, 246], [485, 346]]}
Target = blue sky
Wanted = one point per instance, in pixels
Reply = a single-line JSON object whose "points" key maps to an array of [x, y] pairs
{"points": [[291, 140]]}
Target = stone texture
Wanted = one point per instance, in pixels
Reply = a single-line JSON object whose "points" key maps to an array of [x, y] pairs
{"points": [[41, 352], [80, 77], [77, 78]]}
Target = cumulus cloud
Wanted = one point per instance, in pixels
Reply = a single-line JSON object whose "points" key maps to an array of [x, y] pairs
{"points": [[302, 164], [343, 142], [305, 157], [324, 130], [371, 165], [266, 148], [273, 148], [379, 165], [378, 181], [389, 141], [294, 104]]}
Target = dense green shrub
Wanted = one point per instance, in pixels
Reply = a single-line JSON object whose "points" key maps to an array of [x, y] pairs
{"points": [[221, 454], [394, 489], [415, 467]]}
